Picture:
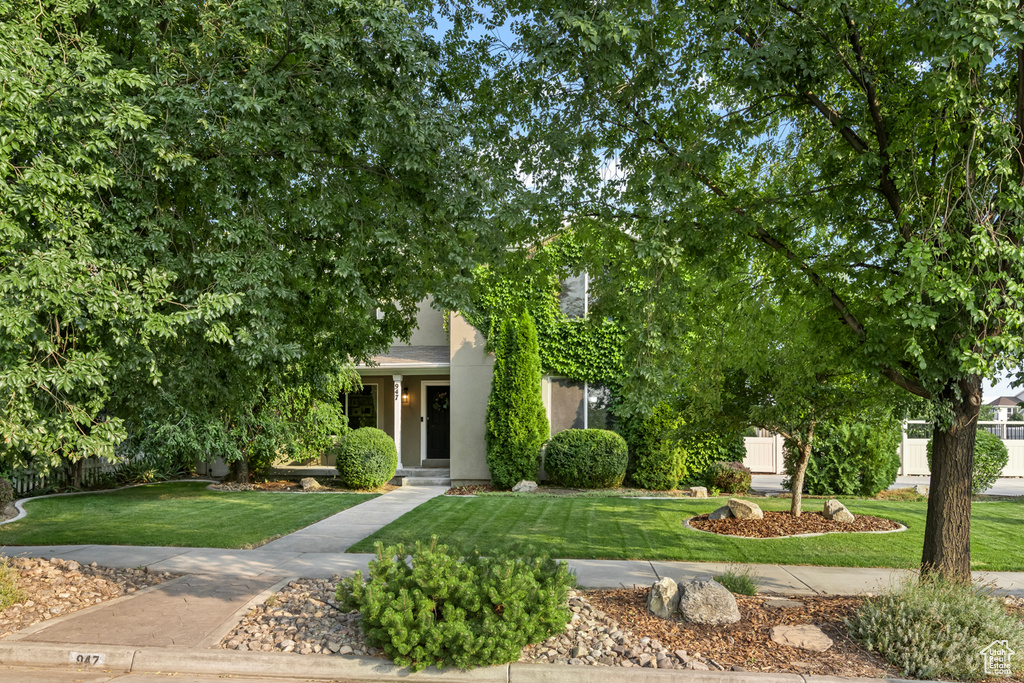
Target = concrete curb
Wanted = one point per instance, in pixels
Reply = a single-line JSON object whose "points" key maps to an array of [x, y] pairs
{"points": [[334, 667], [686, 523], [19, 504]]}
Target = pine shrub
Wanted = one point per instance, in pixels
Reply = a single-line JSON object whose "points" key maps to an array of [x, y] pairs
{"points": [[517, 423], [728, 477], [990, 457], [444, 608], [657, 461], [586, 459], [853, 458], [366, 458], [932, 629]]}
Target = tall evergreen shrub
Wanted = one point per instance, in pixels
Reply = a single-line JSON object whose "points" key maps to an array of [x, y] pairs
{"points": [[517, 424]]}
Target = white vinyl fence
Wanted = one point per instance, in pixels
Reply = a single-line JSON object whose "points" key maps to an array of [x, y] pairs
{"points": [[765, 451]]}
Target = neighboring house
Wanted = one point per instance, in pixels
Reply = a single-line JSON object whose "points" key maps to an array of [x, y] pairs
{"points": [[1005, 406], [430, 395]]}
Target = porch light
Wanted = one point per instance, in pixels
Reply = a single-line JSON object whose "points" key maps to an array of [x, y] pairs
{"points": [[405, 396]]}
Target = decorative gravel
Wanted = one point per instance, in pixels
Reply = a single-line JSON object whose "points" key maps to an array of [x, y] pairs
{"points": [[53, 588], [608, 628], [777, 524], [303, 617]]}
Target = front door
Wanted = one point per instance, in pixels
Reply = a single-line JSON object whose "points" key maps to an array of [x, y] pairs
{"points": [[438, 425]]}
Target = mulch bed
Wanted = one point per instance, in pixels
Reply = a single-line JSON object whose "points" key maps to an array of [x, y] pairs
{"points": [[748, 643], [470, 490], [778, 524], [285, 485]]}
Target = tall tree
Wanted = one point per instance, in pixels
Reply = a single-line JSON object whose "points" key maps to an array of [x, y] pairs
{"points": [[869, 152], [194, 197]]}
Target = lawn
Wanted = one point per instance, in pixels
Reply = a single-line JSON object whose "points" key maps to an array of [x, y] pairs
{"points": [[180, 514], [628, 528]]}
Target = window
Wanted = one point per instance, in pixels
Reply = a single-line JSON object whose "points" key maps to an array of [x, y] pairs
{"points": [[578, 405], [573, 298], [361, 407]]}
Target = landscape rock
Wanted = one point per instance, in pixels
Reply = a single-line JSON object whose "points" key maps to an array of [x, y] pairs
{"points": [[721, 513], [707, 602], [921, 490], [804, 636], [663, 600], [698, 492], [310, 484], [744, 509], [837, 512], [783, 603], [525, 487]]}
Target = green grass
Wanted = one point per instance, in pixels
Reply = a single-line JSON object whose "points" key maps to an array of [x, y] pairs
{"points": [[180, 514], [625, 528], [739, 580]]}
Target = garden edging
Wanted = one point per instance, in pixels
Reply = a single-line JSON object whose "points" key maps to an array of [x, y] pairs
{"points": [[19, 504], [686, 523], [328, 667]]}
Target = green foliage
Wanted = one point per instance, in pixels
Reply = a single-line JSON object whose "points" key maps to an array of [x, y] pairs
{"points": [[706, 447], [193, 196], [6, 493], [728, 477], [741, 580], [313, 416], [990, 457], [656, 459], [366, 459], [584, 349], [586, 459], [936, 630], [517, 423], [9, 591], [444, 608], [859, 457]]}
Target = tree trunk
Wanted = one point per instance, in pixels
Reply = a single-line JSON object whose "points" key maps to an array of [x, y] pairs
{"points": [[240, 470], [947, 531], [803, 458]]}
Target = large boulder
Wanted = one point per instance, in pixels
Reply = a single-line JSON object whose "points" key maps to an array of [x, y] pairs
{"points": [[525, 487], [721, 513], [310, 484], [744, 509], [698, 491], [837, 512], [663, 599], [707, 602]]}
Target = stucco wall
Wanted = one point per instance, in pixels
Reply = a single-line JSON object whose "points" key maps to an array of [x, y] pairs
{"points": [[471, 372], [429, 327]]}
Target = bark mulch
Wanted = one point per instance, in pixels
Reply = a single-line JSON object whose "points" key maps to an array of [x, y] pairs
{"points": [[470, 490], [284, 485], [748, 643], [779, 524]]}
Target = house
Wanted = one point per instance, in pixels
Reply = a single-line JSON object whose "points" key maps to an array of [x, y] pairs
{"points": [[430, 395], [1005, 406]]}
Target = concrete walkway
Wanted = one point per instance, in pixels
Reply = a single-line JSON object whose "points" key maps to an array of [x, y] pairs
{"points": [[339, 532]]}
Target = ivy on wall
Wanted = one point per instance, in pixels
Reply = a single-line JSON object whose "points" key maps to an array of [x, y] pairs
{"points": [[582, 349]]}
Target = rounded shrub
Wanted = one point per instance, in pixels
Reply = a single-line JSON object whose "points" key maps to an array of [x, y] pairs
{"points": [[728, 477], [586, 459], [934, 630], [990, 457], [441, 607], [366, 458], [854, 458], [657, 460]]}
